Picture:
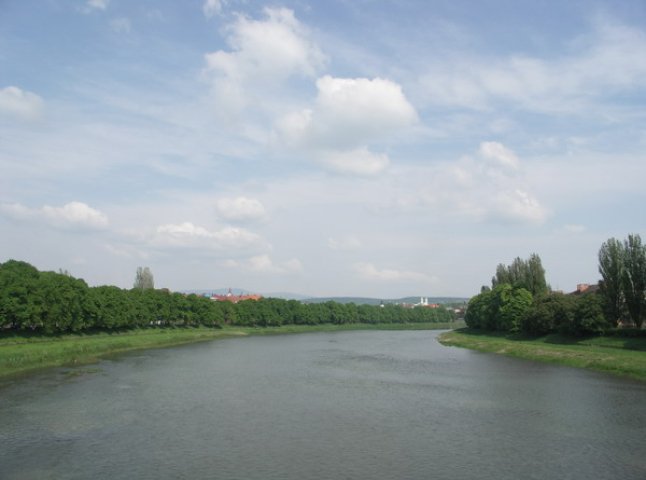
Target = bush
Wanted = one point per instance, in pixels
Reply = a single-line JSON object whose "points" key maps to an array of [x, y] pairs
{"points": [[587, 318], [548, 313]]}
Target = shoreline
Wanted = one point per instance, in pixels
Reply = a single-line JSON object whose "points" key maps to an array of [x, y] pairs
{"points": [[621, 356], [25, 354]]}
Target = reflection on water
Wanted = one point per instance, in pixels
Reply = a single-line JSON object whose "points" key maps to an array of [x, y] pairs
{"points": [[377, 405]]}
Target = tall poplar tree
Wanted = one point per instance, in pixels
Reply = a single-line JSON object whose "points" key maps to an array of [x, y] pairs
{"points": [[528, 274], [634, 278], [611, 268], [144, 279]]}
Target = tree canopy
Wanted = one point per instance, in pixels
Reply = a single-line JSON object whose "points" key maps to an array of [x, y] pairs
{"points": [[50, 302], [520, 299], [528, 274]]}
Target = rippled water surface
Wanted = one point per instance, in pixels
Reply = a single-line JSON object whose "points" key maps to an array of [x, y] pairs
{"points": [[364, 405]]}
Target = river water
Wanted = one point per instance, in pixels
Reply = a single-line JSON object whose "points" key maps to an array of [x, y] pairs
{"points": [[347, 405]]}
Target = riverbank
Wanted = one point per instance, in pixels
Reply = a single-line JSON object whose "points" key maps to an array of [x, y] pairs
{"points": [[623, 356], [21, 354]]}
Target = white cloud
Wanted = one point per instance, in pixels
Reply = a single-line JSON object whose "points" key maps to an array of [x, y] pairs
{"points": [[348, 112], [74, 215], [500, 154], [264, 264], [368, 271], [359, 161], [240, 209], [346, 116], [349, 242], [184, 230], [610, 59], [19, 103], [517, 206], [17, 211], [212, 7], [492, 186], [189, 235], [264, 53], [359, 109]]}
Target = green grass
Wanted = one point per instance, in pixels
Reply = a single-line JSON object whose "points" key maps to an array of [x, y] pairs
{"points": [[614, 354], [20, 354], [329, 327], [25, 353]]}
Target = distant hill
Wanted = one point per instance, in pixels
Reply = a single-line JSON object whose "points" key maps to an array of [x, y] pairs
{"points": [[241, 291], [377, 301], [307, 299], [218, 291]]}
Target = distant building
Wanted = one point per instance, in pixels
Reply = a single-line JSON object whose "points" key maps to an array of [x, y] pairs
{"points": [[582, 288], [423, 302], [230, 297]]}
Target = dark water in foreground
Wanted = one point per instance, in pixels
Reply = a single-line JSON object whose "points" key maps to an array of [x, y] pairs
{"points": [[364, 405]]}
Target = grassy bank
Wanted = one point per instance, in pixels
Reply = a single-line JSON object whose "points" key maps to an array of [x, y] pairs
{"points": [[21, 354], [24, 353], [616, 355], [329, 327]]}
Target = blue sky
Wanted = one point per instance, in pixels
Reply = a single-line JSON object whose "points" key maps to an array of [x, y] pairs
{"points": [[367, 147]]}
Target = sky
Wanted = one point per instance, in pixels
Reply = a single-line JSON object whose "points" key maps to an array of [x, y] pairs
{"points": [[379, 148]]}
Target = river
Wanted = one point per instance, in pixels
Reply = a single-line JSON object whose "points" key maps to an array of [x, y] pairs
{"points": [[347, 405]]}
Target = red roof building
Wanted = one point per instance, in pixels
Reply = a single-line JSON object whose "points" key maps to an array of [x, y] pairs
{"points": [[230, 297]]}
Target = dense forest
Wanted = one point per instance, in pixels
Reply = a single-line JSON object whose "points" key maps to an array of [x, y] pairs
{"points": [[50, 302], [520, 300]]}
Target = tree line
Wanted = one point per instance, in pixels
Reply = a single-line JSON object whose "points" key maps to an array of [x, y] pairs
{"points": [[51, 303], [520, 300]]}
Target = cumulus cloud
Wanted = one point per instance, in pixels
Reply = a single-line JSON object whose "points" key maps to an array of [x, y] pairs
{"points": [[73, 215], [264, 264], [240, 209], [490, 186], [264, 53], [346, 116], [368, 271], [517, 206], [349, 112], [500, 154], [353, 110], [212, 7], [188, 235], [21, 104], [609, 59], [497, 187]]}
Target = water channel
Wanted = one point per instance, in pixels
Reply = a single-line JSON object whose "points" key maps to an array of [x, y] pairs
{"points": [[346, 405]]}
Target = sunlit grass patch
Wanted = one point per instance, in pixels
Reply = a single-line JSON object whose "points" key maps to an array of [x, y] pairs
{"points": [[617, 355]]}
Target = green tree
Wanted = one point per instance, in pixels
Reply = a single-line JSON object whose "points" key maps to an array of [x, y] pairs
{"points": [[20, 299], [528, 274], [479, 312], [64, 300], [634, 278], [547, 313], [611, 268], [513, 305], [588, 316]]}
